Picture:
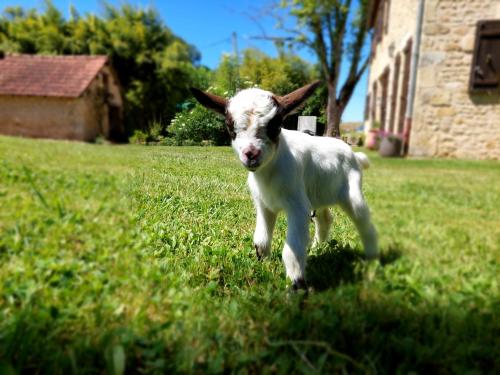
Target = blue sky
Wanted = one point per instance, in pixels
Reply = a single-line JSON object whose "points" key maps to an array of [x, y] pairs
{"points": [[208, 25]]}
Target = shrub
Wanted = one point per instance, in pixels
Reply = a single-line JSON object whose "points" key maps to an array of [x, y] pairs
{"points": [[167, 141], [153, 136], [139, 137], [198, 126], [155, 131], [354, 138]]}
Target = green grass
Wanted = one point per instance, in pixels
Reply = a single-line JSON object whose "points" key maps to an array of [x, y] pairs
{"points": [[140, 259]]}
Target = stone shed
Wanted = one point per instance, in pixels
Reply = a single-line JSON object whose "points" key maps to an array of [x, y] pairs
{"points": [[435, 76], [60, 97]]}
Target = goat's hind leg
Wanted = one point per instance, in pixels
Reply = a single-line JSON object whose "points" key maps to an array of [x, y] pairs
{"points": [[322, 222], [355, 206]]}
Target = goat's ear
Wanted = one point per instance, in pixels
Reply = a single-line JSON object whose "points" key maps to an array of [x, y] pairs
{"points": [[295, 99], [210, 101]]}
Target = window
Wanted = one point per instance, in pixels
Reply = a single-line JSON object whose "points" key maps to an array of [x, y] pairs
{"points": [[384, 84], [485, 71], [387, 7], [367, 107], [379, 18], [374, 102], [403, 99], [379, 23], [394, 96]]}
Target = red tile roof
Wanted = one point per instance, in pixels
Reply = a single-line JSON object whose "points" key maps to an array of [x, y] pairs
{"points": [[57, 76]]}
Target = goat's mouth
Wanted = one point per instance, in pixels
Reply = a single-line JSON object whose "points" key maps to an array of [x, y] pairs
{"points": [[251, 165]]}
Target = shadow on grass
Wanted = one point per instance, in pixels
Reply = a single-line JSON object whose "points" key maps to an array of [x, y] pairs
{"points": [[352, 333], [340, 264], [369, 332]]}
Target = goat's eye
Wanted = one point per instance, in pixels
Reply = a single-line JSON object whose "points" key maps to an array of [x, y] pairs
{"points": [[261, 132], [274, 128], [230, 128]]}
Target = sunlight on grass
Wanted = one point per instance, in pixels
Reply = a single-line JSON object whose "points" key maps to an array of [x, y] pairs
{"points": [[142, 257]]}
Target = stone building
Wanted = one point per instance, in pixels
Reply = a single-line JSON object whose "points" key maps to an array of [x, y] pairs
{"points": [[435, 76], [60, 97]]}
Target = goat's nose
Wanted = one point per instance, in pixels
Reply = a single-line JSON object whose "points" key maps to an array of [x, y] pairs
{"points": [[251, 152]]}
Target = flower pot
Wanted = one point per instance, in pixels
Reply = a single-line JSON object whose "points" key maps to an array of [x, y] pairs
{"points": [[372, 140], [390, 146]]}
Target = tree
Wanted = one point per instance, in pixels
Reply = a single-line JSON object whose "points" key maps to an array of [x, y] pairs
{"points": [[226, 78], [336, 30], [279, 75], [153, 64]]}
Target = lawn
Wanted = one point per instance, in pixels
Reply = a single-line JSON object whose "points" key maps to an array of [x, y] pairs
{"points": [[134, 259]]}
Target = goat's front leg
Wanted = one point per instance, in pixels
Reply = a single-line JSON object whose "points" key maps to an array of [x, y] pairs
{"points": [[262, 238], [297, 240]]}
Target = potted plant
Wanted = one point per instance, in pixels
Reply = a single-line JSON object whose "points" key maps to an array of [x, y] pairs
{"points": [[390, 144], [372, 138]]}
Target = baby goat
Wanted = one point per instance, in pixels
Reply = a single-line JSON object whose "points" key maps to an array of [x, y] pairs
{"points": [[293, 172]]}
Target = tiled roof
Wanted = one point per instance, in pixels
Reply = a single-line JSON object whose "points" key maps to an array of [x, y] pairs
{"points": [[56, 76]]}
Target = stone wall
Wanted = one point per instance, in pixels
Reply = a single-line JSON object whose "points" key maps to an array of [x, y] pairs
{"points": [[449, 121], [41, 117], [401, 22]]}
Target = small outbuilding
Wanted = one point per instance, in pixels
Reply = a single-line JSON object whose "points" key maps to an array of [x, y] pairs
{"points": [[60, 97]]}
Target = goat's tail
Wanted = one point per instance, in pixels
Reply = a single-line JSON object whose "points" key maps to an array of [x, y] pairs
{"points": [[362, 159]]}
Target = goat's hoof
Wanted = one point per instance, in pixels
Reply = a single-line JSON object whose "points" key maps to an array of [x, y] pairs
{"points": [[372, 256], [313, 215], [257, 252], [300, 284], [298, 290]]}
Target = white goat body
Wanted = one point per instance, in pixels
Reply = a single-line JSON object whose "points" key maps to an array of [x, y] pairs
{"points": [[293, 172], [308, 173]]}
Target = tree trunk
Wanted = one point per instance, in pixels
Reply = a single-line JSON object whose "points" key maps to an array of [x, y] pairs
{"points": [[333, 114]]}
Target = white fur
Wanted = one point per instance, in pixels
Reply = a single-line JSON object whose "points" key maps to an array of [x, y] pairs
{"points": [[297, 175], [305, 174], [363, 160], [251, 110]]}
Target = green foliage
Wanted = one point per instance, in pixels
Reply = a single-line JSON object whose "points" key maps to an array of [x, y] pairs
{"points": [[155, 66], [282, 75], [196, 125], [226, 77], [279, 75], [202, 77], [328, 20], [316, 105], [142, 257], [154, 135], [354, 138], [139, 137]]}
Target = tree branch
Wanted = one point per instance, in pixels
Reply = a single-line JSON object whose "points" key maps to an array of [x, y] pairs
{"points": [[349, 85], [355, 73], [337, 35], [320, 46]]}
